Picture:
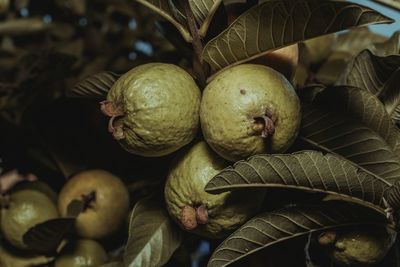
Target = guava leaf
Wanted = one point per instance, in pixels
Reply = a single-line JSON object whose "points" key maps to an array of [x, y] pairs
{"points": [[333, 67], [366, 108], [309, 171], [270, 228], [378, 75], [95, 86], [338, 133], [46, 237], [169, 10], [278, 23], [113, 264], [203, 11], [153, 236]]}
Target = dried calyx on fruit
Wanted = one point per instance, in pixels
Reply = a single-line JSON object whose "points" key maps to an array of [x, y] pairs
{"points": [[105, 199], [153, 109], [249, 109], [365, 246], [212, 216]]}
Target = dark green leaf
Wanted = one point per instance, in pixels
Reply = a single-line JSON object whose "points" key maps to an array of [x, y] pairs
{"points": [[167, 10], [278, 23], [46, 237], [366, 108], [270, 228], [309, 171], [378, 75], [95, 86], [334, 132], [203, 11], [153, 236]]}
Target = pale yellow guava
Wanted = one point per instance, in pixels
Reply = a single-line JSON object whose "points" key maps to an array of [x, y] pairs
{"points": [[154, 109], [26, 208], [249, 109], [82, 253], [106, 201], [365, 246], [212, 216]]}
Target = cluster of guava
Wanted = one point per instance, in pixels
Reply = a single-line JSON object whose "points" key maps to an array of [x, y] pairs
{"points": [[105, 204], [157, 109]]}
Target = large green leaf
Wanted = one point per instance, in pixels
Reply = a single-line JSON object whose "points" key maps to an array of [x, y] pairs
{"points": [[171, 12], [378, 75], [364, 107], [334, 132], [95, 86], [153, 236], [270, 228], [309, 171], [278, 23], [390, 47], [203, 11]]}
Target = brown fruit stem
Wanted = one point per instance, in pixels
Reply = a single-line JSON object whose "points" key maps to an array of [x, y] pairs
{"points": [[88, 199], [113, 110], [202, 215], [327, 238], [188, 218], [264, 125]]}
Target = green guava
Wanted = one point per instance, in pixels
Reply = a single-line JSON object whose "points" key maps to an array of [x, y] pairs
{"points": [[154, 109], [106, 200], [9, 258], [358, 247], [82, 253], [26, 208], [249, 109], [211, 216]]}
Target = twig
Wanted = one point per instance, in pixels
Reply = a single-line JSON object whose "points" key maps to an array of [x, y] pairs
{"points": [[197, 43]]}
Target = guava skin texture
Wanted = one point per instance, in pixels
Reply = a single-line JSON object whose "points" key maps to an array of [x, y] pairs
{"points": [[361, 247], [26, 209], [249, 109], [154, 109], [211, 216], [107, 210], [82, 253]]}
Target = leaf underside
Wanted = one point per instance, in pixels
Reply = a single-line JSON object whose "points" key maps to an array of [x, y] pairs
{"points": [[153, 236], [203, 11], [308, 170], [338, 133], [95, 86], [278, 23], [269, 228]]}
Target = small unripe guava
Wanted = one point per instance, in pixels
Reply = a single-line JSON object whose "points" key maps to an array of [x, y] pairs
{"points": [[26, 209], [82, 253], [249, 109], [106, 201], [154, 109], [212, 216], [365, 246]]}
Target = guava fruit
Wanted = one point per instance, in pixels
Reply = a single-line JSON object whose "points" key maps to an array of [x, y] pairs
{"points": [[211, 216], [82, 253], [9, 258], [249, 109], [154, 109], [26, 208], [106, 201], [358, 247]]}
